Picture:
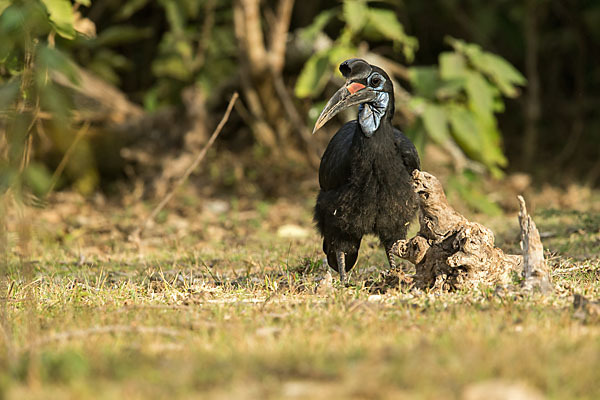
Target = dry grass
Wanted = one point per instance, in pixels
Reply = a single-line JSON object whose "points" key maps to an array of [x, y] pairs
{"points": [[216, 302]]}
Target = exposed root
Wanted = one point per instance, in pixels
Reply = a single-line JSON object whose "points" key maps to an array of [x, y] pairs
{"points": [[451, 252]]}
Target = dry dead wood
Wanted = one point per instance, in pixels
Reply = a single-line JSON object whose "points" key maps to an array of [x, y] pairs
{"points": [[451, 252], [269, 109], [108, 329], [535, 269]]}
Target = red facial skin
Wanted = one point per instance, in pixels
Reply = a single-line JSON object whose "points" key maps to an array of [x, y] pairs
{"points": [[355, 87]]}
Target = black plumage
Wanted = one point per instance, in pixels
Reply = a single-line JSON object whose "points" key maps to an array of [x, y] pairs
{"points": [[365, 172]]}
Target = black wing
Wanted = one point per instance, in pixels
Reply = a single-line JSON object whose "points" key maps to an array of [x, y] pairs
{"points": [[335, 163], [407, 151]]}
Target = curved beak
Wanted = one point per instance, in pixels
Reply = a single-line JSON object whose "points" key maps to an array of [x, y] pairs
{"points": [[348, 96]]}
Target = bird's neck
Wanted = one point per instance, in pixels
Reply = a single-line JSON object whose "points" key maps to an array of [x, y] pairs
{"points": [[371, 115], [380, 142]]}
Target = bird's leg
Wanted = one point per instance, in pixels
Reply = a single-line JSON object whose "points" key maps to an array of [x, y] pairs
{"points": [[390, 257], [390, 251], [341, 262]]}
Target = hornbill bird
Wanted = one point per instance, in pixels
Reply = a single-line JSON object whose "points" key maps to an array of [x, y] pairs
{"points": [[365, 172]]}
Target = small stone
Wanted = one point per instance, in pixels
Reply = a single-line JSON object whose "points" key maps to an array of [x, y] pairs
{"points": [[325, 285], [291, 231], [216, 206], [498, 389], [268, 331]]}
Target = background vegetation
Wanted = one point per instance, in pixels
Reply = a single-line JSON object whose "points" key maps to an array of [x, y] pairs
{"points": [[104, 104], [173, 65]]}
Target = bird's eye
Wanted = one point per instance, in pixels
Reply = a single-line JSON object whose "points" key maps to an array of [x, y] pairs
{"points": [[376, 81]]}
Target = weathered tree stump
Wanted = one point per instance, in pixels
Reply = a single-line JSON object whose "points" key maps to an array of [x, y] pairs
{"points": [[451, 252], [536, 273]]}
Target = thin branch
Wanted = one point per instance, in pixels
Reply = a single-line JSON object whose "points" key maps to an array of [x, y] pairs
{"points": [[108, 329], [572, 269], [137, 233], [205, 38], [296, 119], [532, 104], [253, 36], [63, 163], [279, 35]]}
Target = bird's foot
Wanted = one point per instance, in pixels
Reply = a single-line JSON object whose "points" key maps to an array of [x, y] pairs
{"points": [[400, 248], [341, 262]]}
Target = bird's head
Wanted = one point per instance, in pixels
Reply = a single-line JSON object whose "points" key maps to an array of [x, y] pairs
{"points": [[369, 87]]}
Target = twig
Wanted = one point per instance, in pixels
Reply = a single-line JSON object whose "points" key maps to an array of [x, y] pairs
{"points": [[294, 116], [279, 35], [577, 268], [63, 163], [215, 278], [99, 330], [137, 233], [253, 36], [209, 22], [27, 151], [532, 100]]}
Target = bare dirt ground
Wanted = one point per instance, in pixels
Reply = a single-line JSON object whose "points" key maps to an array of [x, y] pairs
{"points": [[230, 298]]}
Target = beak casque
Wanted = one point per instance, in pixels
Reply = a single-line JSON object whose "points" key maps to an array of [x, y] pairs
{"points": [[347, 96]]}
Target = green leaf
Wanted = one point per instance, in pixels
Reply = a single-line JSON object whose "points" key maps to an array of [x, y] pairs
{"points": [[314, 111], [479, 138], [314, 75], [106, 62], [86, 3], [355, 14], [465, 132], [500, 67], [192, 8], [38, 178], [491, 150], [61, 16], [468, 187], [55, 100], [175, 16], [52, 59], [4, 4], [435, 122], [452, 65], [8, 93], [130, 8], [501, 72], [104, 71], [470, 50], [121, 34], [340, 53], [309, 33], [113, 58], [449, 90], [481, 95], [386, 23], [417, 135], [172, 67], [425, 81], [9, 175]]}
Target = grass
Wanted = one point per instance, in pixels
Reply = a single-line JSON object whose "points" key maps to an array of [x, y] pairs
{"points": [[219, 304]]}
